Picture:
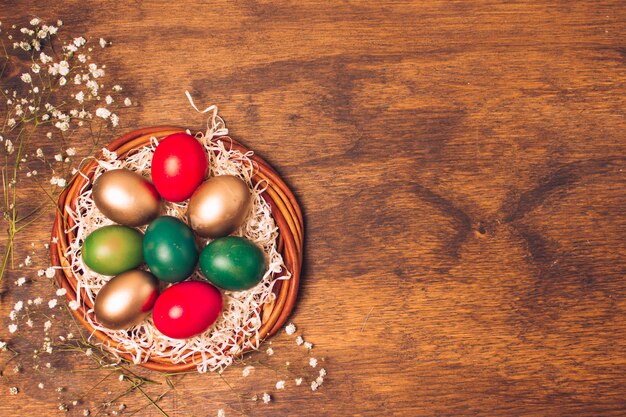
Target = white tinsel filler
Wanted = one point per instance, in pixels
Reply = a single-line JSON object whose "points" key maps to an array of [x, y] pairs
{"points": [[237, 328]]}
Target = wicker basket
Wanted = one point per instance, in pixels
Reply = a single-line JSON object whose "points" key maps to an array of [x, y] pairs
{"points": [[285, 211]]}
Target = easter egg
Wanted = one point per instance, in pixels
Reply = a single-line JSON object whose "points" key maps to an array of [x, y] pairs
{"points": [[126, 197], [169, 249], [179, 166], [187, 309], [232, 263], [126, 300], [111, 250], [219, 206]]}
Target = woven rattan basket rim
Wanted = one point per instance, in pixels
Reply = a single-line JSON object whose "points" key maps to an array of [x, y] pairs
{"points": [[285, 211]]}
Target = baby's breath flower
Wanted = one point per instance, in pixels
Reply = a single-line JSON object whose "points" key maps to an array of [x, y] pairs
{"points": [[61, 291], [26, 78], [70, 151], [322, 372], [89, 352], [266, 398], [64, 68], [298, 381], [308, 345], [35, 68], [127, 102], [38, 301], [299, 340], [52, 303], [246, 371], [280, 384], [269, 351], [312, 362], [9, 145], [290, 329], [74, 305], [80, 41], [20, 281], [35, 21], [115, 120], [58, 157], [80, 97], [12, 328], [18, 306], [108, 99], [13, 391], [117, 88], [86, 412], [103, 113], [314, 386], [62, 81], [103, 43], [221, 413], [40, 385]]}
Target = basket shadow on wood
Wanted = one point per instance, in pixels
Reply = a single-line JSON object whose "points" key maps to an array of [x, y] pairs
{"points": [[285, 211]]}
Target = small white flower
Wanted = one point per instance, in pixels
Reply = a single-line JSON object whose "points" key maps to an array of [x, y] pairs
{"points": [[13, 391], [80, 97], [35, 21], [117, 88], [103, 113], [290, 329], [314, 386], [64, 68], [52, 303], [41, 385], [13, 315], [38, 301], [280, 384], [28, 261], [298, 381], [11, 122], [127, 102], [9, 146], [29, 323], [312, 362], [308, 345], [269, 351], [70, 151], [89, 352], [246, 370], [322, 372], [115, 120], [299, 340], [20, 281], [86, 412], [108, 99], [103, 43], [18, 306], [47, 325], [61, 292], [62, 182], [121, 377], [3, 345], [74, 305], [12, 328], [58, 157], [26, 78], [62, 81], [80, 41], [35, 68], [35, 90], [266, 398], [221, 413]]}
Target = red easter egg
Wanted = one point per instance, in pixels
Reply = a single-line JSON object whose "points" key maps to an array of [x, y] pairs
{"points": [[179, 166], [187, 309]]}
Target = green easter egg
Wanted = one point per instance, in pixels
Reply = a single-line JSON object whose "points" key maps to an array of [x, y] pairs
{"points": [[111, 250], [169, 249], [232, 263]]}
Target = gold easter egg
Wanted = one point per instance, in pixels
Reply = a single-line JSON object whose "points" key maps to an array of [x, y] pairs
{"points": [[219, 206], [126, 300], [126, 197]]}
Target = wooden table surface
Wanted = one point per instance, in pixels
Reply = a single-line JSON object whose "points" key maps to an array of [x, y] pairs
{"points": [[460, 167]]}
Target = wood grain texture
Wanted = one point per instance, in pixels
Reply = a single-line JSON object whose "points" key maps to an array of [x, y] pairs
{"points": [[460, 167]]}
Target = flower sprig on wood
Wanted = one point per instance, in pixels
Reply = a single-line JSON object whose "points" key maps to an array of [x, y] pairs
{"points": [[52, 91]]}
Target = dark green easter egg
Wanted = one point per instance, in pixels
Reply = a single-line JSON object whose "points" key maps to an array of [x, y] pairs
{"points": [[111, 250], [169, 249], [232, 263]]}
